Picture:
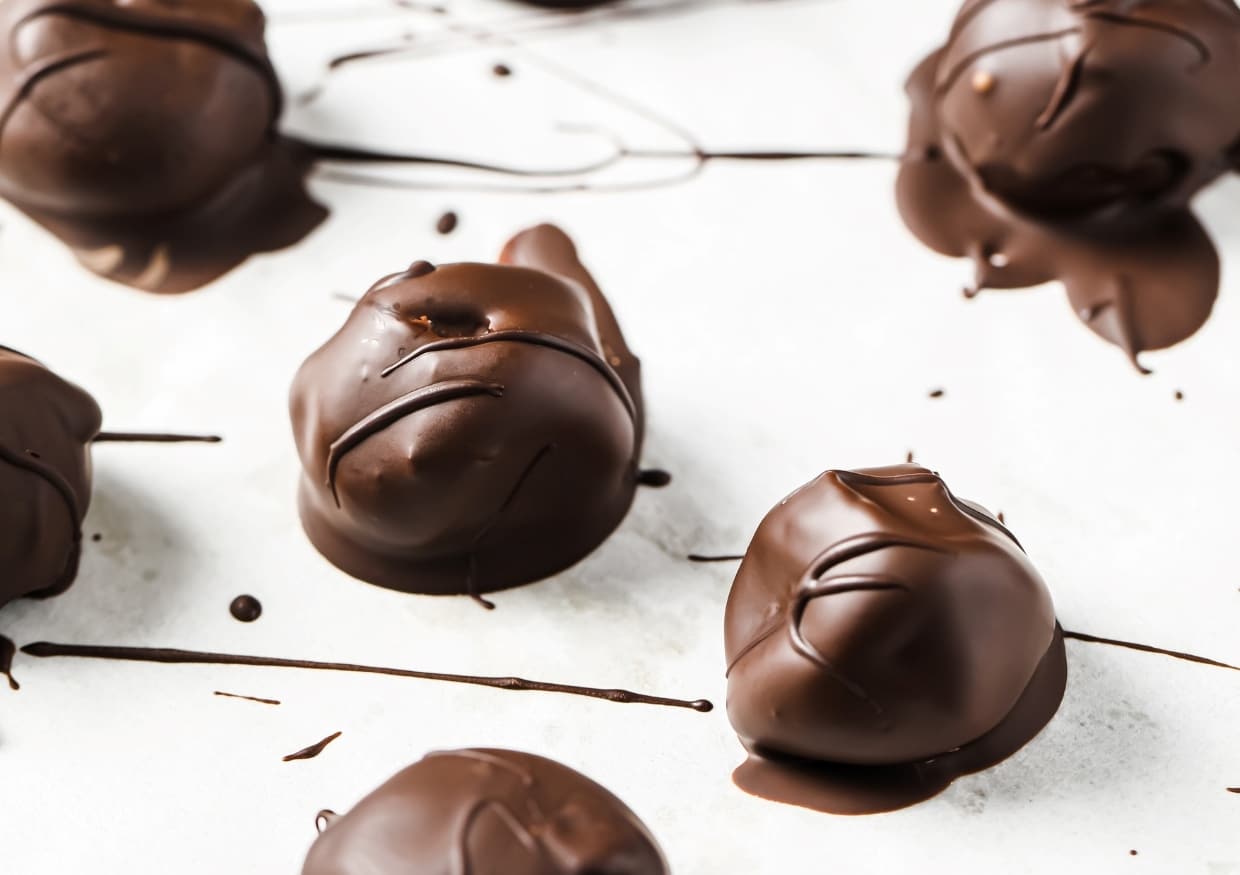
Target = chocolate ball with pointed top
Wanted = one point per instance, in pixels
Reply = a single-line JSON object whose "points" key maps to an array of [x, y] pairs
{"points": [[1091, 109], [130, 107], [472, 427], [487, 812], [46, 427], [878, 620]]}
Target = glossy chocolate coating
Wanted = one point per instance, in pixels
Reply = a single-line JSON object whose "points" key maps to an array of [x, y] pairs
{"points": [[46, 426], [112, 108], [471, 427], [877, 620], [142, 134], [1069, 109], [1065, 140], [487, 812]]}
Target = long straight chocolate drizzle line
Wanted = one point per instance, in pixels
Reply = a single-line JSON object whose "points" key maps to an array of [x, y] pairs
{"points": [[1146, 648], [131, 437], [46, 649]]}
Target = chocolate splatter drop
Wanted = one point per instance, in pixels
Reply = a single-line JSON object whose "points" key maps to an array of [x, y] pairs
{"points": [[654, 477], [937, 393], [447, 223], [246, 608], [309, 753], [502, 70]]}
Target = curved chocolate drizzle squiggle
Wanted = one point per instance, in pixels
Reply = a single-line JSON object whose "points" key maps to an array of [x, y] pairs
{"points": [[534, 338], [419, 399]]}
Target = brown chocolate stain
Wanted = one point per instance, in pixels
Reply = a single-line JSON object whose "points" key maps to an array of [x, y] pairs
{"points": [[164, 656], [654, 478], [447, 223], [309, 753]]}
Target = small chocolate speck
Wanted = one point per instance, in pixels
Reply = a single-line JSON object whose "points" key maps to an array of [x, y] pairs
{"points": [[937, 393], [246, 608], [96, 537], [654, 477], [502, 70], [1132, 853], [909, 457], [447, 223], [1179, 396], [419, 268], [1002, 518]]}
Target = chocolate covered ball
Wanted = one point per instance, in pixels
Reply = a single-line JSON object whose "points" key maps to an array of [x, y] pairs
{"points": [[111, 108], [1064, 110], [46, 427], [487, 812], [472, 427], [879, 621], [1054, 140]]}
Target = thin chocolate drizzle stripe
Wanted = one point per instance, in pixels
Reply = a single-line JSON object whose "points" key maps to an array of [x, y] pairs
{"points": [[144, 21], [534, 338], [257, 699], [45, 649], [309, 753], [1146, 648], [127, 437], [394, 411], [698, 557]]}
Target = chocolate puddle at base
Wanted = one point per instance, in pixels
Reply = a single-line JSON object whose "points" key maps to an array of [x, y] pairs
{"points": [[194, 657], [7, 651], [854, 790], [1142, 288], [264, 209]]}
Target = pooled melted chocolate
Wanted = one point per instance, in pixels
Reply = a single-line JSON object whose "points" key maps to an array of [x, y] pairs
{"points": [[472, 427], [1057, 140], [470, 812], [143, 135], [884, 637]]}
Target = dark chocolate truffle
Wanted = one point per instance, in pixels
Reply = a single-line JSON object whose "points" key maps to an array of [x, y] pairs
{"points": [[46, 427], [472, 427], [487, 812], [883, 637], [1064, 140], [140, 131]]}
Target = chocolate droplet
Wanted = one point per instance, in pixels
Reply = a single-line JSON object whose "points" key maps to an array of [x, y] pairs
{"points": [[246, 608]]}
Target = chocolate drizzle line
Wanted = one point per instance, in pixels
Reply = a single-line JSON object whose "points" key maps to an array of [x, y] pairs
{"points": [[125, 437], [655, 478], [1233, 789], [44, 649], [248, 698], [698, 557], [394, 411], [7, 651], [309, 753], [1146, 648]]}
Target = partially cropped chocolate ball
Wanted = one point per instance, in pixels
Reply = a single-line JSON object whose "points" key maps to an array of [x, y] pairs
{"points": [[880, 624], [487, 812], [1064, 109], [1055, 140], [121, 108], [46, 427], [472, 427]]}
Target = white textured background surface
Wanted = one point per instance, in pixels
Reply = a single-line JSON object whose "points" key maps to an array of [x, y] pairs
{"points": [[788, 324]]}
